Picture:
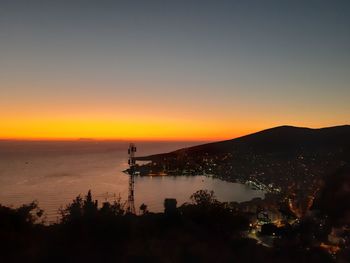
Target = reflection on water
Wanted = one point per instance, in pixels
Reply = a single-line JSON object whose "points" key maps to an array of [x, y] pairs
{"points": [[156, 189], [55, 172]]}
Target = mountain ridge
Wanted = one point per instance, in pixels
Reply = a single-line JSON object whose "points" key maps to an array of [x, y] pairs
{"points": [[276, 137], [290, 162]]}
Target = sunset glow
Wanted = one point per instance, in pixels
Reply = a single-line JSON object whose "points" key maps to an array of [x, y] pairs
{"points": [[175, 130], [122, 129], [188, 72]]}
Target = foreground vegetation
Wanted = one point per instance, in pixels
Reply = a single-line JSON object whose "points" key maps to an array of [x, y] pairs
{"points": [[203, 230]]}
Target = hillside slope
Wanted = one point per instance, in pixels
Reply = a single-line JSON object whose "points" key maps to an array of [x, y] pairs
{"points": [[283, 139], [296, 163]]}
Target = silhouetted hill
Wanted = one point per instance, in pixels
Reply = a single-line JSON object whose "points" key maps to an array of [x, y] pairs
{"points": [[286, 157], [283, 139]]}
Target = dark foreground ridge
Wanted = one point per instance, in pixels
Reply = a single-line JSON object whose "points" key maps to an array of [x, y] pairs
{"points": [[204, 230]]}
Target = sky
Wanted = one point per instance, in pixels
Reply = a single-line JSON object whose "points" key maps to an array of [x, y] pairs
{"points": [[173, 70]]}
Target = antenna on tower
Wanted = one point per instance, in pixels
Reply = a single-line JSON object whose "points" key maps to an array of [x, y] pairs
{"points": [[132, 163]]}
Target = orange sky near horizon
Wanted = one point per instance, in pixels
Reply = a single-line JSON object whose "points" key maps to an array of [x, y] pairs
{"points": [[118, 129], [142, 128], [92, 115]]}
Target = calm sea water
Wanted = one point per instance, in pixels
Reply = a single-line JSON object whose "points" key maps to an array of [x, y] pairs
{"points": [[54, 173]]}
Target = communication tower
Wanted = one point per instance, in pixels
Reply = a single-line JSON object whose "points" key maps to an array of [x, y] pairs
{"points": [[132, 162]]}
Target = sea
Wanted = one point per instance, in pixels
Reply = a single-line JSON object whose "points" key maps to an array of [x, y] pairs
{"points": [[53, 173]]}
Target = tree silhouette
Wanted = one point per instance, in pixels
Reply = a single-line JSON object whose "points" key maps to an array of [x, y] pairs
{"points": [[143, 208], [203, 198]]}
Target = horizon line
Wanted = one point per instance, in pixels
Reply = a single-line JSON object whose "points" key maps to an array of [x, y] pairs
{"points": [[111, 139], [153, 139]]}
